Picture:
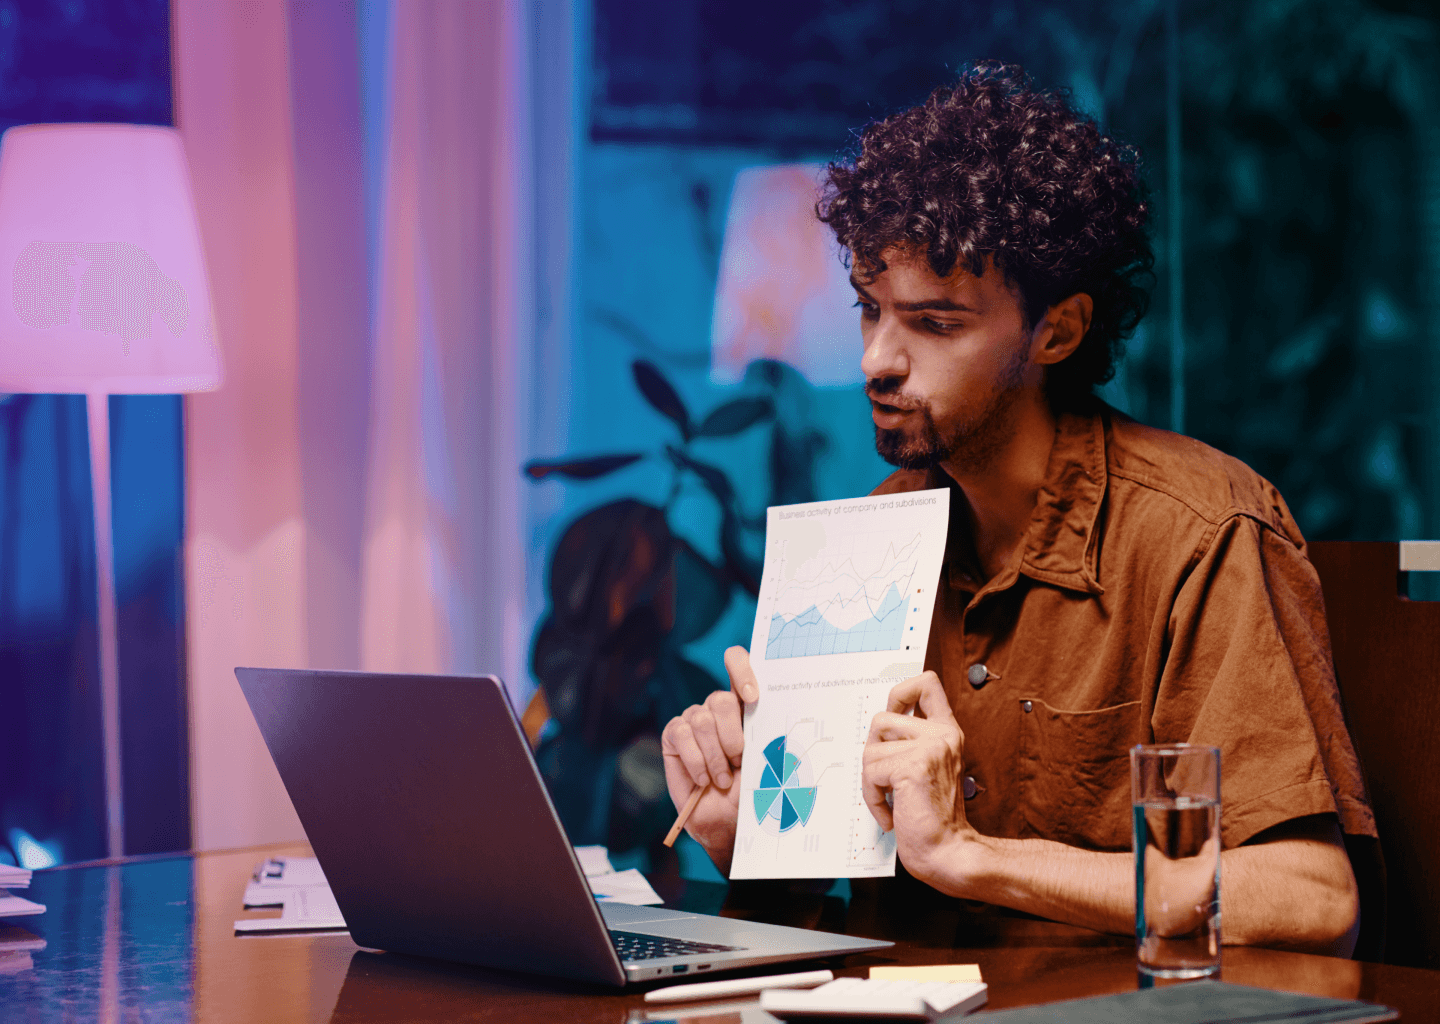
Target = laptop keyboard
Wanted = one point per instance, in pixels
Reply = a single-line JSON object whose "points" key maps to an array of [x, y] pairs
{"points": [[633, 946]]}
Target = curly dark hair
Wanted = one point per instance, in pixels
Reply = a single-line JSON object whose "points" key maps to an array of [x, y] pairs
{"points": [[993, 169]]}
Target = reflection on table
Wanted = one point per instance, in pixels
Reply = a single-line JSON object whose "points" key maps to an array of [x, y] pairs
{"points": [[154, 940]]}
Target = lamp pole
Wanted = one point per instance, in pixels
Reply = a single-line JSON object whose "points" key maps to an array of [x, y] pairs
{"points": [[97, 408]]}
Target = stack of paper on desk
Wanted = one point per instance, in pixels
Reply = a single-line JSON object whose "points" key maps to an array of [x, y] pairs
{"points": [[297, 886], [16, 945], [628, 886], [276, 878], [594, 860], [10, 904], [611, 886]]}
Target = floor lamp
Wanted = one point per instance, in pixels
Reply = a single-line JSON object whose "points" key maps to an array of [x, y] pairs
{"points": [[108, 295]]}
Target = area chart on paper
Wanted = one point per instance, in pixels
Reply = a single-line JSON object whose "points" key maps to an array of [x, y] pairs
{"points": [[855, 604]]}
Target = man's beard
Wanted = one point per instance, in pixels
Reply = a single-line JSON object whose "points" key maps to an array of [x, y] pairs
{"points": [[970, 446]]}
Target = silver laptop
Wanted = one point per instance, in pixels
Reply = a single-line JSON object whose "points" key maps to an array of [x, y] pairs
{"points": [[425, 809]]}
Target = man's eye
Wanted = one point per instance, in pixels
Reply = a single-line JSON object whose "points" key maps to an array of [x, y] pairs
{"points": [[939, 327], [867, 309]]}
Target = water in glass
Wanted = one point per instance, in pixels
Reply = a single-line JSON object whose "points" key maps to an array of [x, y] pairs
{"points": [[1177, 883]]}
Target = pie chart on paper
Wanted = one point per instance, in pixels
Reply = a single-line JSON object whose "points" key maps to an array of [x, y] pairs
{"points": [[785, 796]]}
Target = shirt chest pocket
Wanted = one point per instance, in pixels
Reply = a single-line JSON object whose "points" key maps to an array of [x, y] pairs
{"points": [[1074, 773]]}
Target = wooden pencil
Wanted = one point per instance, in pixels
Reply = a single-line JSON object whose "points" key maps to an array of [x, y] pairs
{"points": [[695, 796]]}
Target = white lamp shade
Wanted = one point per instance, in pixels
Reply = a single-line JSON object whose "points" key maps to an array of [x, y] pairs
{"points": [[782, 292], [102, 278]]}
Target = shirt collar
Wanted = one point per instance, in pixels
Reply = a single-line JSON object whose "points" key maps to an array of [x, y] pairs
{"points": [[1060, 540], [1060, 544]]}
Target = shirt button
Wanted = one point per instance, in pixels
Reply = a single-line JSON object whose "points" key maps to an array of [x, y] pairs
{"points": [[1025, 706], [978, 675], [969, 787]]}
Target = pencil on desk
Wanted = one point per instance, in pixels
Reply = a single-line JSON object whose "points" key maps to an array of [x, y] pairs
{"points": [[695, 795]]}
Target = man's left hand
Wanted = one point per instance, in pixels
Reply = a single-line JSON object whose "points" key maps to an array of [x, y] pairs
{"points": [[916, 760]]}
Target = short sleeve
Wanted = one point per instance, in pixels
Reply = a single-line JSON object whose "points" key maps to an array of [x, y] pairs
{"points": [[1249, 671]]}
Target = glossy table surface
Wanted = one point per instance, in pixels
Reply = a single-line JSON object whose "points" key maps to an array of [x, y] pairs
{"points": [[153, 940]]}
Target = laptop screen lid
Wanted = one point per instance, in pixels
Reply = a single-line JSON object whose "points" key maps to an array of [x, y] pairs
{"points": [[423, 806]]}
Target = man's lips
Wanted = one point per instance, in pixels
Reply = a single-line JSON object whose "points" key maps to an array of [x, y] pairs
{"points": [[888, 417]]}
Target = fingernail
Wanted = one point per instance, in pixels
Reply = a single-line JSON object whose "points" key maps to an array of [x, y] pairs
{"points": [[750, 695], [723, 780]]}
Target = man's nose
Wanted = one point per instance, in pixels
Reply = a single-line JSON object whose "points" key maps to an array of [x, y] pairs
{"points": [[885, 354]]}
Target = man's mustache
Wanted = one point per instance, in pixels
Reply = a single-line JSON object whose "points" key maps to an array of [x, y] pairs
{"points": [[888, 389]]}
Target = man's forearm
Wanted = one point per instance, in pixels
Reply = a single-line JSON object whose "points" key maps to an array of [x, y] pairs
{"points": [[1292, 892], [1295, 891], [1038, 876]]}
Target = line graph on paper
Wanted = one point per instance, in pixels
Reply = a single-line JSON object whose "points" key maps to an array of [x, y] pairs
{"points": [[841, 595]]}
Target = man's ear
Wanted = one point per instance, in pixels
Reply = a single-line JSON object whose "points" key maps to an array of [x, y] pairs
{"points": [[1062, 329]]}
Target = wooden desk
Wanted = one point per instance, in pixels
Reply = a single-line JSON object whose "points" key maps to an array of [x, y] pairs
{"points": [[153, 940]]}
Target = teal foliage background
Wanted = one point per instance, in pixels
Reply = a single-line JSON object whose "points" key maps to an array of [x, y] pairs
{"points": [[1310, 135], [1309, 199]]}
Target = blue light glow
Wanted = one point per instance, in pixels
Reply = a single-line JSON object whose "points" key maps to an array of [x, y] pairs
{"points": [[33, 855]]}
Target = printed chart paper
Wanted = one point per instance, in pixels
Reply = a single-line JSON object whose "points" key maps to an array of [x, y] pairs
{"points": [[844, 615]]}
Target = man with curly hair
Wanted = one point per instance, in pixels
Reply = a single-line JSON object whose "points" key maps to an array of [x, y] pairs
{"points": [[1104, 584]]}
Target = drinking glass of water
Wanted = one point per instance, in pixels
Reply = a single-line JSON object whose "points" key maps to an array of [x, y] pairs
{"points": [[1175, 792]]}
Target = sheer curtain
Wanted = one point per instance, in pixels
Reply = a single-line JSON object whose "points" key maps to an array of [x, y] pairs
{"points": [[366, 182], [442, 559]]}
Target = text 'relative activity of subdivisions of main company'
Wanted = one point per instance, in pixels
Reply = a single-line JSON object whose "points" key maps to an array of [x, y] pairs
{"points": [[844, 614]]}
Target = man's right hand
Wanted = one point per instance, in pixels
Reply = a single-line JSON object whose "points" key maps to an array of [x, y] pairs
{"points": [[703, 746]]}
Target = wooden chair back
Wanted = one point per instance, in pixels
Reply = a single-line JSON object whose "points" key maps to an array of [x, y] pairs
{"points": [[1387, 664]]}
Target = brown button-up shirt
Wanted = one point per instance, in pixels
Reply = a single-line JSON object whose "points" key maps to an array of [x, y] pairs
{"points": [[1162, 596]]}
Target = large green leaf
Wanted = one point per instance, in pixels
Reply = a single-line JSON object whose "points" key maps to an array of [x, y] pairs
{"points": [[581, 780], [580, 469], [735, 416], [678, 683], [640, 808], [600, 693], [702, 592], [560, 660], [661, 394], [608, 561], [618, 699], [743, 569], [793, 459]]}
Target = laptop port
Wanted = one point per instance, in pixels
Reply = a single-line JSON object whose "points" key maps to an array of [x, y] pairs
{"points": [[702, 967], [680, 968]]}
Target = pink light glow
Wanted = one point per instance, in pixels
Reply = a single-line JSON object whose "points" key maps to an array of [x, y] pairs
{"points": [[108, 292], [783, 292]]}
